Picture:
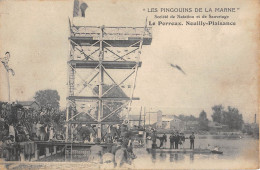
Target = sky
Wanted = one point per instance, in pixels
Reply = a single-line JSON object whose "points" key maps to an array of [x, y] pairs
{"points": [[220, 62]]}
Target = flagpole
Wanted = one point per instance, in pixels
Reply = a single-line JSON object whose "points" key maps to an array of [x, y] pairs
{"points": [[8, 85], [5, 61]]}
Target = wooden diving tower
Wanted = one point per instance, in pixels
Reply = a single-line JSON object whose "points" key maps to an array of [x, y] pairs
{"points": [[95, 96]]}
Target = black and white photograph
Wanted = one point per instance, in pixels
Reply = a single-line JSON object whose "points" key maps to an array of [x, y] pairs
{"points": [[113, 84]]}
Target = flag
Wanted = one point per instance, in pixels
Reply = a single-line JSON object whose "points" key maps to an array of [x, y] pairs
{"points": [[79, 8]]}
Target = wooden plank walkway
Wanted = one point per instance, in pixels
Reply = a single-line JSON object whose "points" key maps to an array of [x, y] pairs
{"points": [[168, 150]]}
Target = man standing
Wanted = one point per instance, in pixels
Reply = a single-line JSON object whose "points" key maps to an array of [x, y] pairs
{"points": [[172, 141], [154, 137], [165, 140], [177, 138], [192, 138], [182, 140]]}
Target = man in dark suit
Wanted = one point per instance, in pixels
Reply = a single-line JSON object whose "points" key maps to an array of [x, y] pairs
{"points": [[192, 138]]}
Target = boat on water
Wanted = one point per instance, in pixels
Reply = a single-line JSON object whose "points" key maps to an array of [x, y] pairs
{"points": [[216, 152]]}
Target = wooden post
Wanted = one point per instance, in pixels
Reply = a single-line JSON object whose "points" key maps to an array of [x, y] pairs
{"points": [[8, 84], [47, 151], [22, 156], [101, 81], [54, 149], [36, 152]]}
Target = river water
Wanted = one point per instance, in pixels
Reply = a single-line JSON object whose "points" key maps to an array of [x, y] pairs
{"points": [[238, 154]]}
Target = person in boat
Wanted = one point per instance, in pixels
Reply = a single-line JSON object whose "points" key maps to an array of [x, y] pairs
{"points": [[177, 140], [192, 138], [172, 140], [216, 148]]}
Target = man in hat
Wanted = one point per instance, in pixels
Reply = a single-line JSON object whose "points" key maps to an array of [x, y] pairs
{"points": [[172, 138], [163, 140], [192, 138], [154, 137], [177, 139]]}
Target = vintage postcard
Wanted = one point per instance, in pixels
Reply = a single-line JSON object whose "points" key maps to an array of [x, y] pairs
{"points": [[151, 84]]}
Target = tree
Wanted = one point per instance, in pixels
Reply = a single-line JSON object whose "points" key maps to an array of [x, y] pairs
{"points": [[217, 113], [182, 117], [192, 118], [230, 117], [48, 99], [233, 118], [203, 120]]}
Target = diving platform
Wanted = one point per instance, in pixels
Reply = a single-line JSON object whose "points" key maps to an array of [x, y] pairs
{"points": [[107, 64], [73, 144], [95, 122], [113, 36]]}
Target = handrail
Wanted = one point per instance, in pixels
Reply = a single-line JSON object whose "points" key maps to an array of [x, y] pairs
{"points": [[110, 31]]}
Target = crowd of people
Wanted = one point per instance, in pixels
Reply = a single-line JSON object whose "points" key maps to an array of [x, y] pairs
{"points": [[18, 124], [176, 139], [121, 148]]}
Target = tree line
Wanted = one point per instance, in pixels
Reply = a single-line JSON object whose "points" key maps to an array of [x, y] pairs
{"points": [[229, 116]]}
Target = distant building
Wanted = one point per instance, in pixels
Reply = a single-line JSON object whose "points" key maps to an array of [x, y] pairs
{"points": [[177, 124], [159, 119], [169, 122], [215, 126], [166, 123], [29, 104], [191, 125]]}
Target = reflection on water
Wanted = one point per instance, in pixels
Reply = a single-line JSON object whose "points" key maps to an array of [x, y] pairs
{"points": [[174, 157], [234, 149], [191, 157], [162, 156], [153, 157]]}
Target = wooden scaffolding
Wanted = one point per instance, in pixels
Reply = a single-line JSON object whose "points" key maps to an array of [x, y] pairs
{"points": [[93, 52]]}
